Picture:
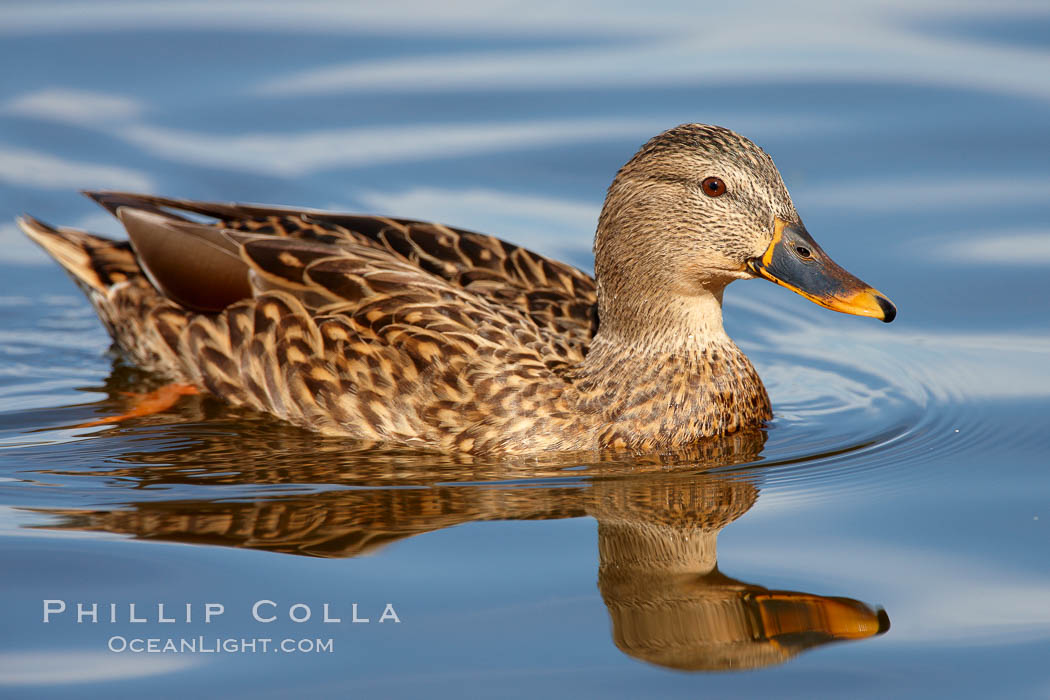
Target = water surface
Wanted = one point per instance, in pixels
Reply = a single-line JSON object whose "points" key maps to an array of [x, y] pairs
{"points": [[887, 535]]}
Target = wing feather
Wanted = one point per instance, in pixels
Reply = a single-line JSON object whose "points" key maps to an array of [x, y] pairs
{"points": [[481, 264]]}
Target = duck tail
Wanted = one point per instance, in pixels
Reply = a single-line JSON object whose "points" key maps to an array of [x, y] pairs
{"points": [[95, 263]]}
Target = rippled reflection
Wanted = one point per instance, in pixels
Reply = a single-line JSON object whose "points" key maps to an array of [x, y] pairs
{"points": [[658, 525], [671, 606]]}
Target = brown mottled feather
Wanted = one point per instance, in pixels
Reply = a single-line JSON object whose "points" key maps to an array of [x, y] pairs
{"points": [[555, 295], [413, 333]]}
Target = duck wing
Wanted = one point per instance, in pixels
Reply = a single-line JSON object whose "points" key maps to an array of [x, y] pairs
{"points": [[556, 296]]}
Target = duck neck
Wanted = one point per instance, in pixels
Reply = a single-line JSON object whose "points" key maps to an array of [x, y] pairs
{"points": [[667, 374], [672, 326], [681, 337]]}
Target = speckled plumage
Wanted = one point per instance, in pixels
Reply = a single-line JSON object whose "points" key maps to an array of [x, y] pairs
{"points": [[423, 335]]}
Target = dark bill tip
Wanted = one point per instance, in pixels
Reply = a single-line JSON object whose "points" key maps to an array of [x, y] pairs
{"points": [[889, 311], [884, 621]]}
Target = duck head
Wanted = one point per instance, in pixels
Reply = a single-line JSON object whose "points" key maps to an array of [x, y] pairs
{"points": [[697, 207]]}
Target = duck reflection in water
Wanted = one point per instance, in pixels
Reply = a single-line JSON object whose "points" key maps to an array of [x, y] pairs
{"points": [[658, 523]]}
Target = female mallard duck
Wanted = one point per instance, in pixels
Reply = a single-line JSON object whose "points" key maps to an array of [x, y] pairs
{"points": [[423, 335]]}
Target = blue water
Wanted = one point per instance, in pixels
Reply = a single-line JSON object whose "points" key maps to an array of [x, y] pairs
{"points": [[905, 477]]}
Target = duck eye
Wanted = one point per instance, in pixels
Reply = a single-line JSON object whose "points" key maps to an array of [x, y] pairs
{"points": [[713, 187], [802, 251]]}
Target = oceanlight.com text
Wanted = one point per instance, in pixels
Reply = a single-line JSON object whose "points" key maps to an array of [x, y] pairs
{"points": [[219, 645]]}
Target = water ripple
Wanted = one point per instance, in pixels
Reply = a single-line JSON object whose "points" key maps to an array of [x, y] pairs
{"points": [[855, 411], [852, 408]]}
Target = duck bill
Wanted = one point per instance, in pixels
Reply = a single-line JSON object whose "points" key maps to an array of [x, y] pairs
{"points": [[794, 260], [788, 615]]}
